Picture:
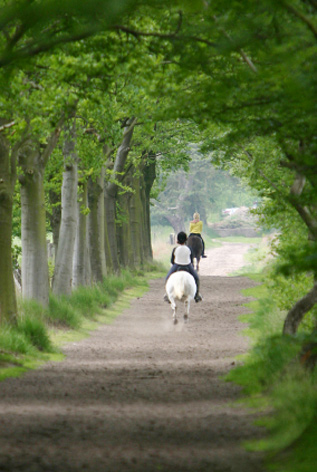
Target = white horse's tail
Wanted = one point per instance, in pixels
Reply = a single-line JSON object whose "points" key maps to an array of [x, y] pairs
{"points": [[180, 288]]}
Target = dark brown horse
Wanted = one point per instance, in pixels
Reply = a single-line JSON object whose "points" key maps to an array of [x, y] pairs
{"points": [[196, 245]]}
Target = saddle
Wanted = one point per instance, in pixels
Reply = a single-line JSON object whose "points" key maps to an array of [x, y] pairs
{"points": [[182, 268]]}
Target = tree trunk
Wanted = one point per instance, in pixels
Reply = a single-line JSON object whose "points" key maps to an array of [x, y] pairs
{"points": [[135, 223], [8, 305], [97, 228], [55, 216], [134, 233], [63, 274], [110, 218], [111, 190], [81, 262], [125, 255], [33, 158], [297, 313], [148, 251], [149, 175], [35, 275], [177, 222]]}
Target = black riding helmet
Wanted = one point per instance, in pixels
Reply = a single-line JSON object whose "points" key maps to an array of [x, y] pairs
{"points": [[181, 237]]}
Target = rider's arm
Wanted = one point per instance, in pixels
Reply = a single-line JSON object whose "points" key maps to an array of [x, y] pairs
{"points": [[173, 256], [191, 256]]}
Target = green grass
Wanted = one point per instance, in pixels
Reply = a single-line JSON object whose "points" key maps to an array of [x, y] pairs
{"points": [[61, 313], [257, 258], [264, 364], [105, 316], [13, 341], [38, 331], [264, 319], [35, 330], [274, 381], [154, 270], [294, 398], [302, 456], [29, 334]]}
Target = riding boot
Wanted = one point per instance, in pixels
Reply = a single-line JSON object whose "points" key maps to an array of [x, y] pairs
{"points": [[198, 297], [203, 254]]}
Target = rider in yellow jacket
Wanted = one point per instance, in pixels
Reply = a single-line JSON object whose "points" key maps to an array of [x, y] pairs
{"points": [[196, 228]]}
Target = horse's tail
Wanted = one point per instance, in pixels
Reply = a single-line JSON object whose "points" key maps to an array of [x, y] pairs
{"points": [[179, 287]]}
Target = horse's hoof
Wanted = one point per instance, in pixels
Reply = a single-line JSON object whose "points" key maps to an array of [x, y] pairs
{"points": [[185, 318], [175, 321]]}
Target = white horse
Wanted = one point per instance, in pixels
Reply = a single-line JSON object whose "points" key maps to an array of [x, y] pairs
{"points": [[180, 286]]}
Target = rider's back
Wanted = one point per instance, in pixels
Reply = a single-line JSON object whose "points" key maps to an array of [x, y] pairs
{"points": [[182, 255]]}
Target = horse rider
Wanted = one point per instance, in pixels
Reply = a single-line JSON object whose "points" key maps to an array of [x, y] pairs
{"points": [[196, 228], [182, 259]]}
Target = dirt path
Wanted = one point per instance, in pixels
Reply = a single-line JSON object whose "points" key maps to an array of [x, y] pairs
{"points": [[139, 395], [225, 260]]}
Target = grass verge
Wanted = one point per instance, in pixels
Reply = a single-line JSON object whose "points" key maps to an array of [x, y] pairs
{"points": [[39, 332], [275, 381]]}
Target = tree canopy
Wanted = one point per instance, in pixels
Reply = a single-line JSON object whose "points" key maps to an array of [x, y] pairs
{"points": [[237, 79]]}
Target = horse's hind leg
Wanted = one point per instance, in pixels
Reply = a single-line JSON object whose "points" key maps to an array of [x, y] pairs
{"points": [[186, 314], [174, 308], [175, 320]]}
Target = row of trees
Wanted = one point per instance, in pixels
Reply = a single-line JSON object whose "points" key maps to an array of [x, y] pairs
{"points": [[78, 157], [82, 205], [240, 79]]}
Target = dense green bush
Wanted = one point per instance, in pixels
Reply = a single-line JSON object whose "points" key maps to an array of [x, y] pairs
{"points": [[274, 375]]}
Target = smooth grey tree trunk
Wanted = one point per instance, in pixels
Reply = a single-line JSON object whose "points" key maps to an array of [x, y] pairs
{"points": [[33, 158], [35, 275], [97, 227], [81, 262], [63, 274]]}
